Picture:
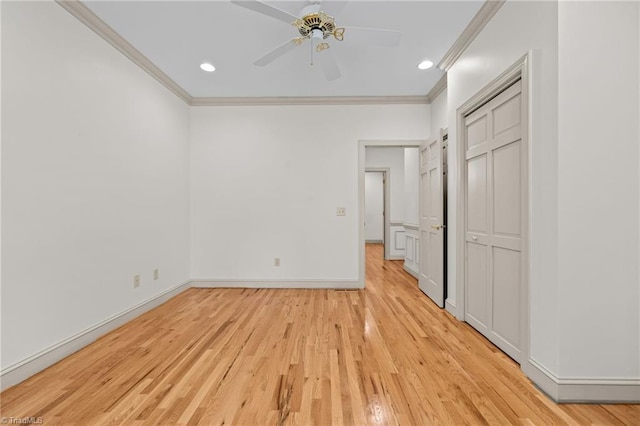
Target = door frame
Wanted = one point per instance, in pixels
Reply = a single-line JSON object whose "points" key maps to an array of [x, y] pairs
{"points": [[444, 131], [362, 145], [520, 70], [386, 175]]}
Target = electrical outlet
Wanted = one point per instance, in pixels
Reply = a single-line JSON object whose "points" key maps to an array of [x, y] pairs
{"points": [[342, 211], [136, 281], [276, 261], [156, 274]]}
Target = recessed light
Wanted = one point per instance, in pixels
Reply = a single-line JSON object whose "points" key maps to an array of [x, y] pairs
{"points": [[207, 67], [425, 65]]}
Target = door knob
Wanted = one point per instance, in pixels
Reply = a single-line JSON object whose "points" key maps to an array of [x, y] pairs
{"points": [[437, 226]]}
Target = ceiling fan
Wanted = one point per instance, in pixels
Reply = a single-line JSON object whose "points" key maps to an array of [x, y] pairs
{"points": [[313, 24]]}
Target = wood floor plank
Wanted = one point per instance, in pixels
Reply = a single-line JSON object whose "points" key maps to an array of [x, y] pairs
{"points": [[385, 355]]}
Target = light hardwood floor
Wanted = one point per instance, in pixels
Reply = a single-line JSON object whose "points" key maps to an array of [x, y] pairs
{"points": [[384, 355]]}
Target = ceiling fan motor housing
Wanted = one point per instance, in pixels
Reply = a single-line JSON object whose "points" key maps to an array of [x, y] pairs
{"points": [[314, 19]]}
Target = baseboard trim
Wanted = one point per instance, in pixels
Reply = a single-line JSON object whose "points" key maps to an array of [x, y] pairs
{"points": [[599, 391], [22, 370], [410, 271], [274, 283], [374, 242], [583, 390], [450, 307], [396, 257], [544, 380]]}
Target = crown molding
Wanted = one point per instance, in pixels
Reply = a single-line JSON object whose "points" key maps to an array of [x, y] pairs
{"points": [[91, 20], [311, 100], [437, 89], [484, 15]]}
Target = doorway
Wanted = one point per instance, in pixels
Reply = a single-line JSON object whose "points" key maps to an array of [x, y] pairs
{"points": [[376, 208], [395, 238]]}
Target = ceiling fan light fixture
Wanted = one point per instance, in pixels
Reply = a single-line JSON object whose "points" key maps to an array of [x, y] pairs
{"points": [[206, 66], [425, 65], [316, 23]]}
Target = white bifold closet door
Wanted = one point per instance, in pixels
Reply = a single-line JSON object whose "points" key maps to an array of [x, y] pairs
{"points": [[495, 189]]}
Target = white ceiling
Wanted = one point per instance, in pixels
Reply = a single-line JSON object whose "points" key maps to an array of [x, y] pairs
{"points": [[177, 36]]}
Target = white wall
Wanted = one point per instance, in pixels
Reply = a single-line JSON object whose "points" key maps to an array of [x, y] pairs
{"points": [[1, 362], [598, 209], [393, 158], [411, 185], [266, 182], [439, 114], [584, 171], [94, 180], [517, 28], [412, 208], [374, 206]]}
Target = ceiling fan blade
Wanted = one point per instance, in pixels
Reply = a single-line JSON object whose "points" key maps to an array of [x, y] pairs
{"points": [[377, 36], [266, 9], [329, 65], [276, 53]]}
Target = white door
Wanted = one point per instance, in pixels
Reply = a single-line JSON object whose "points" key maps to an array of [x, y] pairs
{"points": [[431, 274], [495, 201], [374, 206]]}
